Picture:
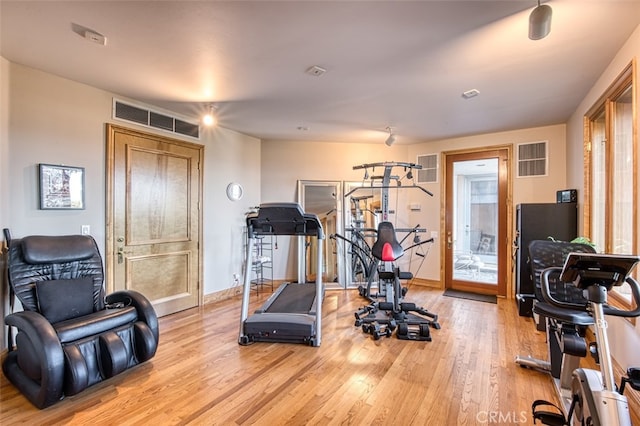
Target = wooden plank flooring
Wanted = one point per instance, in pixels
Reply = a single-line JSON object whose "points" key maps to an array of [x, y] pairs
{"points": [[201, 376]]}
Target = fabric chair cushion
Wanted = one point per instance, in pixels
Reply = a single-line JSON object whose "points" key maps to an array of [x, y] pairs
{"points": [[60, 300]]}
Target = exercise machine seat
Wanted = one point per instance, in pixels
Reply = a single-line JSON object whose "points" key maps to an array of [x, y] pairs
{"points": [[386, 248], [544, 254], [69, 335], [565, 327]]}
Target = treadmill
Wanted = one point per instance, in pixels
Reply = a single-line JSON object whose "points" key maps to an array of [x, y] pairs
{"points": [[293, 313]]}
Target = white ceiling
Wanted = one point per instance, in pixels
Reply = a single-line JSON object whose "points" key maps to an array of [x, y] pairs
{"points": [[403, 64]]}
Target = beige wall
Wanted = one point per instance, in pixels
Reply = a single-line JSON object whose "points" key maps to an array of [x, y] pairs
{"points": [[284, 162], [229, 157], [58, 121], [624, 337], [539, 189]]}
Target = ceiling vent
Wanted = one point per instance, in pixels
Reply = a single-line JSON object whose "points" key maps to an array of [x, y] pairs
{"points": [[315, 71], [470, 93], [146, 117]]}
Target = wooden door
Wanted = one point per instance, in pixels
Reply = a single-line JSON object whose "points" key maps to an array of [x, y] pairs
{"points": [[154, 190], [476, 217]]}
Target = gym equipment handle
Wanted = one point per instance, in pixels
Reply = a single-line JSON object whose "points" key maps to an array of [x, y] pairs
{"points": [[608, 310]]}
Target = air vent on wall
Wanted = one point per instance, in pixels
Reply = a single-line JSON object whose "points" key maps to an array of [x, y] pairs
{"points": [[532, 159], [146, 117], [429, 171]]}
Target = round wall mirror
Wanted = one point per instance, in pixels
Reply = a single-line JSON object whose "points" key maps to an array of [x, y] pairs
{"points": [[234, 191]]}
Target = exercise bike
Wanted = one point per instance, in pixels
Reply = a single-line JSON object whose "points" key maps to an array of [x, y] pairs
{"points": [[594, 398]]}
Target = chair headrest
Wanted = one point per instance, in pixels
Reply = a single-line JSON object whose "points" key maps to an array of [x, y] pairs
{"points": [[38, 249]]}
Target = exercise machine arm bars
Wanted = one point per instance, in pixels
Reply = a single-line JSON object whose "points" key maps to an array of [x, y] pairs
{"points": [[388, 187], [607, 310], [388, 164], [598, 309]]}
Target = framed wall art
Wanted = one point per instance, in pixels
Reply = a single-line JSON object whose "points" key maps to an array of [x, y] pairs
{"points": [[61, 187]]}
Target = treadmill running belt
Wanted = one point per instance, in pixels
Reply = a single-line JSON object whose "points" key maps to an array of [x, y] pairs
{"points": [[294, 299]]}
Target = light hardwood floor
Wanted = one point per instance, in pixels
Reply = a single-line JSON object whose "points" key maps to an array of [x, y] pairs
{"points": [[201, 376]]}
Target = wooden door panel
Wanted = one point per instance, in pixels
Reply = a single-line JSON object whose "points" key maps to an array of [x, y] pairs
{"points": [[153, 241], [158, 204], [165, 276]]}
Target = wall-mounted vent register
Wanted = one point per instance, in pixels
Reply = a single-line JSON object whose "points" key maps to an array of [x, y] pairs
{"points": [[147, 117]]}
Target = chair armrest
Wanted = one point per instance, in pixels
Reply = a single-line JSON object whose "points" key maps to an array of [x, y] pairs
{"points": [[46, 350], [144, 308]]}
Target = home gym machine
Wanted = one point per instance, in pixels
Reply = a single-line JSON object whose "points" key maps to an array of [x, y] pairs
{"points": [[387, 310], [293, 313], [593, 397]]}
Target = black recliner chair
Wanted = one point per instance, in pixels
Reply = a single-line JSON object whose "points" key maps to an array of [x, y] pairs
{"points": [[69, 335]]}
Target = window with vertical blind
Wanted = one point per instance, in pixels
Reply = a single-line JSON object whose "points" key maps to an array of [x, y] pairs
{"points": [[610, 172]]}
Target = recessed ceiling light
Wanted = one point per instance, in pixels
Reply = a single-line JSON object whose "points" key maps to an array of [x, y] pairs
{"points": [[470, 93]]}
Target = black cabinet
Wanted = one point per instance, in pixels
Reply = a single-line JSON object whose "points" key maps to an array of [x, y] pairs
{"points": [[539, 222]]}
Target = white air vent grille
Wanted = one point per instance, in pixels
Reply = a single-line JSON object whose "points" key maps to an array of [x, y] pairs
{"points": [[429, 171], [146, 117], [532, 159]]}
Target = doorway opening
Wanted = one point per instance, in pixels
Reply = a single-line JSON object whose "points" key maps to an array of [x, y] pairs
{"points": [[476, 221]]}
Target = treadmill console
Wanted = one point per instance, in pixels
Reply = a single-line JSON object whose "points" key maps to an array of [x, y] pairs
{"points": [[283, 219]]}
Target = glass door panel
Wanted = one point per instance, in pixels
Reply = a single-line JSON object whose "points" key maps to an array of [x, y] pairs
{"points": [[476, 198], [475, 220]]}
